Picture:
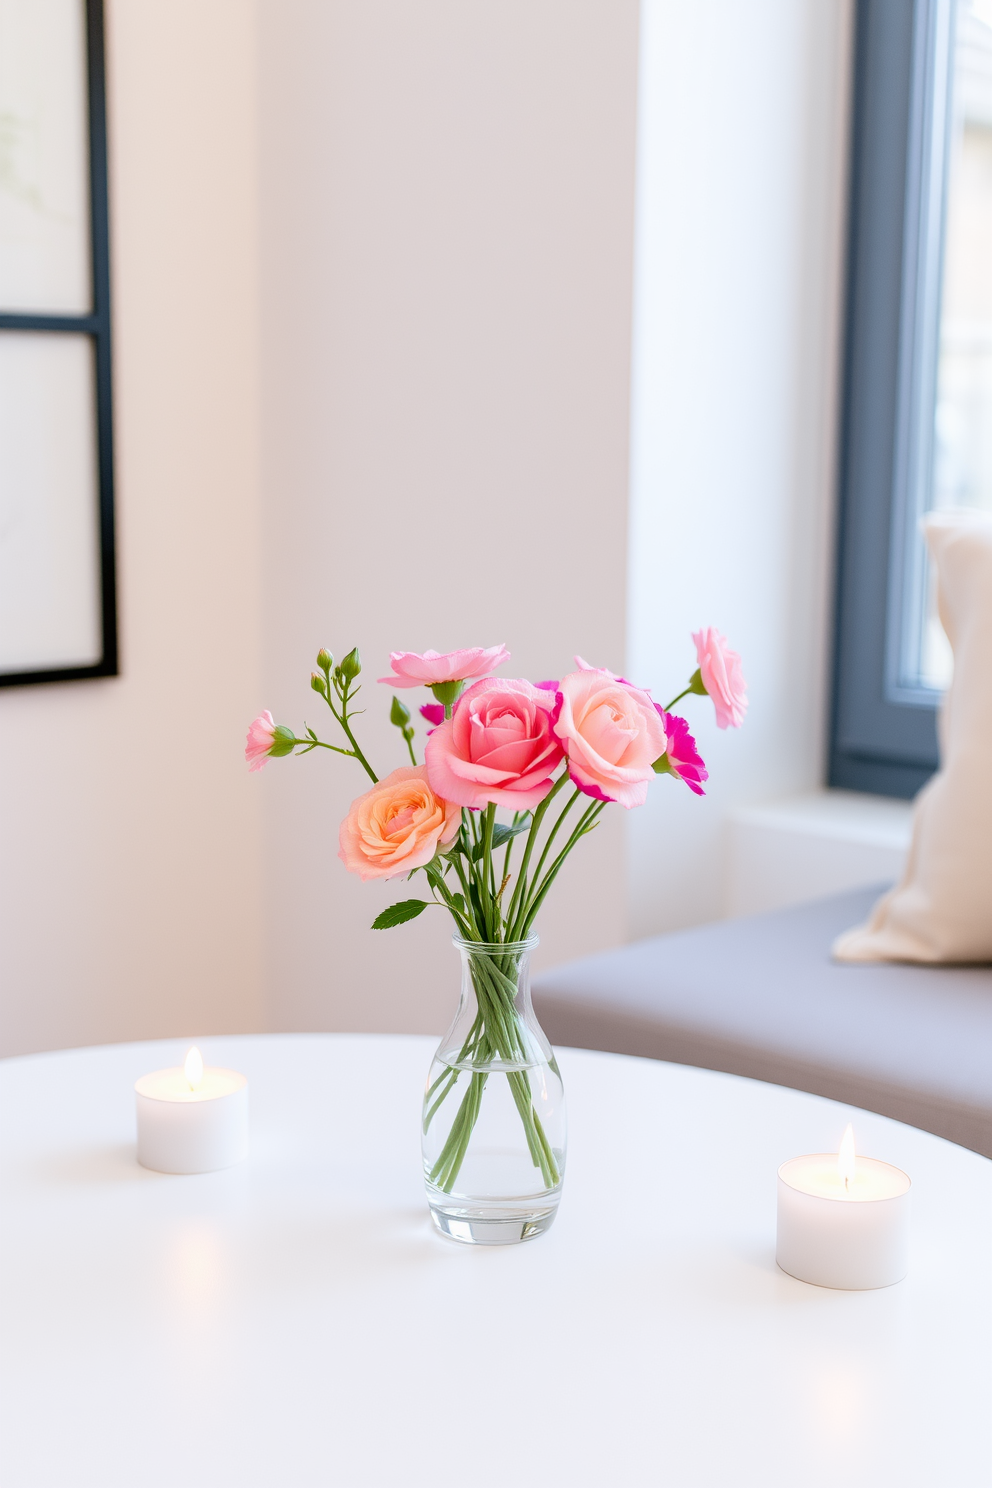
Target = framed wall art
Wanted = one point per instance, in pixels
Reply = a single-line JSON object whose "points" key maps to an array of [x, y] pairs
{"points": [[58, 617]]}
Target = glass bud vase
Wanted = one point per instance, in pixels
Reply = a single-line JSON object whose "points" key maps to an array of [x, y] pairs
{"points": [[494, 1109]]}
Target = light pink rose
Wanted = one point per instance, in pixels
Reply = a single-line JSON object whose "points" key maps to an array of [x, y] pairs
{"points": [[432, 667], [396, 826], [497, 746], [612, 733], [261, 737], [722, 677]]}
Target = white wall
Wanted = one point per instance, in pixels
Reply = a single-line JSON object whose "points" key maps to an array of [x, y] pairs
{"points": [[447, 211], [741, 183], [129, 873], [806, 847]]}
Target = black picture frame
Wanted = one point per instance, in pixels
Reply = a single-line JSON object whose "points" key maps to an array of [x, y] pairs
{"points": [[883, 736], [96, 326]]}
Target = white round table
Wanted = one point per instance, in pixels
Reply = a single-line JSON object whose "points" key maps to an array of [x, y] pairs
{"points": [[295, 1321]]}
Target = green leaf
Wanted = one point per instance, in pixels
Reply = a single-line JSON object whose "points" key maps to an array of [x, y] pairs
{"points": [[502, 835], [459, 903], [398, 914]]}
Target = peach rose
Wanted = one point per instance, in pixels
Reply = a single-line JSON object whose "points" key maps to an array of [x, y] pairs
{"points": [[396, 826], [612, 733]]}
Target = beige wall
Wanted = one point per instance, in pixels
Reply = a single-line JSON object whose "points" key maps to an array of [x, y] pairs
{"points": [[447, 210], [129, 870]]}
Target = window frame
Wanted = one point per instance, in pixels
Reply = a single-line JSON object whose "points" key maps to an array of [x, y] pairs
{"points": [[95, 326], [883, 730]]}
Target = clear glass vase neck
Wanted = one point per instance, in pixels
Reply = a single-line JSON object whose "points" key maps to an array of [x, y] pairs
{"points": [[495, 1026]]}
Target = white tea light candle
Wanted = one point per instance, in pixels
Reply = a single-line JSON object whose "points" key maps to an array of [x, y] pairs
{"points": [[843, 1220], [192, 1120]]}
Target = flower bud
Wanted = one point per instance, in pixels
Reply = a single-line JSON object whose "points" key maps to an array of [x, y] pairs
{"points": [[324, 660], [351, 665], [447, 693], [283, 741], [318, 683], [399, 713]]}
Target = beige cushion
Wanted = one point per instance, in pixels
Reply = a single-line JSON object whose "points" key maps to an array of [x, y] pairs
{"points": [[942, 909]]}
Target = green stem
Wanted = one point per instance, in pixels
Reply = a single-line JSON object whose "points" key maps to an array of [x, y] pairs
{"points": [[513, 934], [587, 821], [319, 744], [535, 828], [497, 1033], [684, 693], [342, 718]]}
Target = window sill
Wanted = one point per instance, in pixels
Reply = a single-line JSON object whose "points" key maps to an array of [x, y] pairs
{"points": [[805, 847]]}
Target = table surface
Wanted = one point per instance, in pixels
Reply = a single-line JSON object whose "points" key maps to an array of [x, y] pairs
{"points": [[295, 1321]]}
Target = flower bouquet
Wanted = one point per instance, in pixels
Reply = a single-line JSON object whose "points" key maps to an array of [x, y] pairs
{"points": [[503, 759]]}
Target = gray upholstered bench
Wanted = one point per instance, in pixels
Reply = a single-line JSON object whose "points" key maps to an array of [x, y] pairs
{"points": [[761, 997]]}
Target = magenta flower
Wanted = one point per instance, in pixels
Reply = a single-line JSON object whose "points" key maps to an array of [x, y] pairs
{"points": [[261, 737], [681, 758], [434, 668], [433, 712], [720, 669]]}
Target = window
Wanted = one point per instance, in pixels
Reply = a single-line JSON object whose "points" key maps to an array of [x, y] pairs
{"points": [[918, 398], [57, 592]]}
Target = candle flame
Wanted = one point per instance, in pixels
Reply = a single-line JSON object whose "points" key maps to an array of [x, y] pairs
{"points": [[193, 1068], [845, 1158]]}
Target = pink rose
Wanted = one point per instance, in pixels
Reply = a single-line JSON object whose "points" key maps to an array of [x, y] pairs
{"points": [[612, 735], [681, 758], [432, 668], [261, 737], [396, 826], [497, 746], [720, 669]]}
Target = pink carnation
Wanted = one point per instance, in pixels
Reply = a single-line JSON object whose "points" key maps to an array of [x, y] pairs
{"points": [[433, 668], [396, 826], [497, 746], [261, 737], [720, 669], [434, 713], [684, 759], [612, 735]]}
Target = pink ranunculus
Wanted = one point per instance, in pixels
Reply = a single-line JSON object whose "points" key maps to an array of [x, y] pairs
{"points": [[612, 735], [396, 826], [684, 760], [261, 737], [720, 669], [432, 668], [497, 746]]}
